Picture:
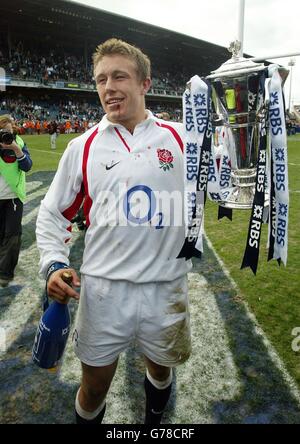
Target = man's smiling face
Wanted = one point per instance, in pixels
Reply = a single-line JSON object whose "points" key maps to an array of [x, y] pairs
{"points": [[120, 90]]}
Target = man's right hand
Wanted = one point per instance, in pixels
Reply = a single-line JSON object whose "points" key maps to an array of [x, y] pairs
{"points": [[58, 290]]}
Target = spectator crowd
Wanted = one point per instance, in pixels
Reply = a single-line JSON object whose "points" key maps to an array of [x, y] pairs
{"points": [[50, 66], [34, 116], [71, 112]]}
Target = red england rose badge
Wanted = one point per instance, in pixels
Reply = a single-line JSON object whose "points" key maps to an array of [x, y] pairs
{"points": [[165, 159]]}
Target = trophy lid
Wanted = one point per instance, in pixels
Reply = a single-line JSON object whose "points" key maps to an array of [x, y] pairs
{"points": [[236, 65]]}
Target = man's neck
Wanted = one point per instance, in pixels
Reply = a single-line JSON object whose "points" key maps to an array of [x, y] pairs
{"points": [[130, 125]]}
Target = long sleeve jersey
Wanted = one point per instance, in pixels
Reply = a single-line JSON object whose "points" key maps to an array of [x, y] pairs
{"points": [[132, 187]]}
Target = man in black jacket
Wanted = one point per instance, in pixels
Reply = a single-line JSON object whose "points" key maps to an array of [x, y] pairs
{"points": [[53, 129]]}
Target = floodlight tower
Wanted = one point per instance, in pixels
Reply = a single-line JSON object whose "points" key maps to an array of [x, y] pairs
{"points": [[241, 19], [291, 63], [239, 43]]}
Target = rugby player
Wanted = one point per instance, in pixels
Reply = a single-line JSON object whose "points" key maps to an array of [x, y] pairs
{"points": [[133, 286]]}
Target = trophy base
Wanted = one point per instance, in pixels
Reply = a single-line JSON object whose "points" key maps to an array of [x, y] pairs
{"points": [[242, 193], [241, 198]]}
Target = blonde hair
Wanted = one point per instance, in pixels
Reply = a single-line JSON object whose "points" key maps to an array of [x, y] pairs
{"points": [[119, 47], [5, 119]]}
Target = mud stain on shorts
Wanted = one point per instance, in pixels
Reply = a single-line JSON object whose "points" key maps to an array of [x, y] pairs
{"points": [[178, 340], [178, 290], [177, 307]]}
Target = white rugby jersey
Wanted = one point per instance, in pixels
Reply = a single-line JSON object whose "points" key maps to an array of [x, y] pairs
{"points": [[132, 185]]}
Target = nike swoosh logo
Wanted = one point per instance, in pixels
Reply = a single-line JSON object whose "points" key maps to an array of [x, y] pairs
{"points": [[109, 167]]}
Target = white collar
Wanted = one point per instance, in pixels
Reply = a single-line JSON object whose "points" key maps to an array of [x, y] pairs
{"points": [[105, 123]]}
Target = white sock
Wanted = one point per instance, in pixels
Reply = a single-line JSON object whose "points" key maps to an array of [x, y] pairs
{"points": [[83, 413], [160, 385]]}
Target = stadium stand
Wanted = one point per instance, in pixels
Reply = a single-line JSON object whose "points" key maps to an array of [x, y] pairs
{"points": [[46, 50], [47, 68]]}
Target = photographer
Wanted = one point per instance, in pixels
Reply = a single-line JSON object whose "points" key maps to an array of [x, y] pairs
{"points": [[14, 162]]}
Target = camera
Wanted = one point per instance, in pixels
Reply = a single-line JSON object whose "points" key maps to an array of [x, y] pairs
{"points": [[6, 137]]}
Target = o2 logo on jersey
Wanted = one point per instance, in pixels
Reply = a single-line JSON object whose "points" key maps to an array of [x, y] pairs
{"points": [[139, 206]]}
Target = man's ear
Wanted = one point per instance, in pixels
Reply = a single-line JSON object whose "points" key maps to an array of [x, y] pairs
{"points": [[146, 84]]}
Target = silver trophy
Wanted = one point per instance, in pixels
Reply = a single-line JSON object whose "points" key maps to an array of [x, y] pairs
{"points": [[239, 106]]}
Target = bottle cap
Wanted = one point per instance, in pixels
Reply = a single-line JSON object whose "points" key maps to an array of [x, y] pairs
{"points": [[67, 277]]}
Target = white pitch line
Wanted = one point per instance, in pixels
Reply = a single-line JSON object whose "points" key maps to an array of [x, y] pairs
{"points": [[44, 151], [271, 350], [35, 194], [30, 186], [31, 215], [26, 302], [14, 319]]}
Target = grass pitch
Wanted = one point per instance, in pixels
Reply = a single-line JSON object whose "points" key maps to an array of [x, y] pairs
{"points": [[242, 358], [273, 294]]}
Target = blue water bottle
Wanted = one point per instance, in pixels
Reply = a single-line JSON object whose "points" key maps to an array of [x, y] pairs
{"points": [[53, 332]]}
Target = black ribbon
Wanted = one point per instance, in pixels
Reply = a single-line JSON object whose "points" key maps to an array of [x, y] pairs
{"points": [[224, 212], [251, 254], [252, 248]]}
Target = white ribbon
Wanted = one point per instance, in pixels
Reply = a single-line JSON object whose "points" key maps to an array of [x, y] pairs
{"points": [[280, 168], [195, 118], [219, 179]]}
